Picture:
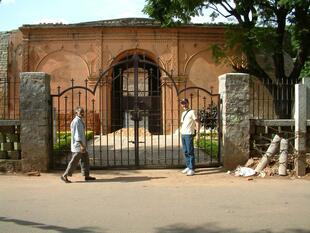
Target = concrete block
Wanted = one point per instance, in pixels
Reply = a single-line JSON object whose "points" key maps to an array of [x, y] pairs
{"points": [[2, 137], [300, 128], [15, 155], [300, 165], [7, 128], [10, 165], [17, 146], [3, 154], [5, 146], [306, 82], [12, 138]]}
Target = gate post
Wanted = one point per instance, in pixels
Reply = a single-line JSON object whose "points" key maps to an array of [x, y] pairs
{"points": [[234, 89], [35, 120], [300, 128], [4, 47]]}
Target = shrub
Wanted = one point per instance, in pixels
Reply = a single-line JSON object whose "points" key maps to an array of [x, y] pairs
{"points": [[63, 141], [210, 147]]}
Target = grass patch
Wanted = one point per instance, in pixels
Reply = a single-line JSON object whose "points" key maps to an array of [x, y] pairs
{"points": [[63, 141], [208, 145]]}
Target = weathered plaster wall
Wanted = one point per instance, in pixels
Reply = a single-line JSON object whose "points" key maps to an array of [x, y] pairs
{"points": [[80, 53]]}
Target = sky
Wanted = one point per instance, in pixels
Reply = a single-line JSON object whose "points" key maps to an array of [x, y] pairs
{"points": [[15, 13]]}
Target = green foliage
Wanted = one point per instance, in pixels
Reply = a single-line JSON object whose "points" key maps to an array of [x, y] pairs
{"points": [[305, 73], [172, 12], [268, 27], [63, 141], [210, 146]]}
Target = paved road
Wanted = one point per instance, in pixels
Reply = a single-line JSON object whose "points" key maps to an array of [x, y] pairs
{"points": [[154, 201]]}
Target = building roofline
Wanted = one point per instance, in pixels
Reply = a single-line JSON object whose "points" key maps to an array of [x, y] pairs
{"points": [[117, 23]]}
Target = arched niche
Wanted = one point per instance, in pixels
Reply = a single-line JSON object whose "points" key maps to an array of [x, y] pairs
{"points": [[203, 72], [147, 75], [63, 66]]}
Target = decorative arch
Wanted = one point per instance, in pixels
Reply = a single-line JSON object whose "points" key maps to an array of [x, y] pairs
{"points": [[135, 67], [64, 66], [124, 54], [202, 71], [191, 58], [148, 54]]}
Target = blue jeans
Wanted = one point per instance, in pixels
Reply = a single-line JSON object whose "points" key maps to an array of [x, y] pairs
{"points": [[188, 149]]}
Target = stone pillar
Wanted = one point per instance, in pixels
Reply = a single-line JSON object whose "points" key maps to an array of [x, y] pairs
{"points": [[306, 82], [234, 89], [4, 44], [35, 120], [300, 128]]}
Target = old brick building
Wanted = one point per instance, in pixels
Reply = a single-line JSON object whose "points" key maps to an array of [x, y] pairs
{"points": [[127, 73], [80, 51]]}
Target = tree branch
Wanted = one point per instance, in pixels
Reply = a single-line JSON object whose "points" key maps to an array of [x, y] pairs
{"points": [[214, 7], [232, 11], [278, 53]]}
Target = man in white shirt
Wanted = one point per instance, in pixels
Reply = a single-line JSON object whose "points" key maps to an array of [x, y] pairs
{"points": [[190, 125], [78, 148]]}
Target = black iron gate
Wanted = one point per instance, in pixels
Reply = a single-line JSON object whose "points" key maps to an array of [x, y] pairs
{"points": [[132, 116]]}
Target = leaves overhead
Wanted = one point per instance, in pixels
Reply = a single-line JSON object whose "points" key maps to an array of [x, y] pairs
{"points": [[171, 12], [270, 27]]}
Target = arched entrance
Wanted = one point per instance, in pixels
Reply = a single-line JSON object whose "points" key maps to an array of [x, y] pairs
{"points": [[139, 111], [136, 85]]}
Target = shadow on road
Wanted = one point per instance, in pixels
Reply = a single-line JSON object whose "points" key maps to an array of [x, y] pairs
{"points": [[214, 228], [208, 171], [127, 179], [50, 227]]}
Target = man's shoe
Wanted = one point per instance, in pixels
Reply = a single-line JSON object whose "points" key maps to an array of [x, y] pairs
{"points": [[185, 170], [190, 172], [87, 178], [65, 179]]}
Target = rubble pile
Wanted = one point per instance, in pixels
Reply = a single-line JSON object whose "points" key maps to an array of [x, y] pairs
{"points": [[275, 161], [272, 169], [130, 132], [308, 163]]}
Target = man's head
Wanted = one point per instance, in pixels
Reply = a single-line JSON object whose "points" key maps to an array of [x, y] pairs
{"points": [[79, 111], [184, 103]]}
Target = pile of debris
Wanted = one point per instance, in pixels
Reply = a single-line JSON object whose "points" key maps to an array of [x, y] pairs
{"points": [[308, 163], [272, 169], [130, 132], [270, 164]]}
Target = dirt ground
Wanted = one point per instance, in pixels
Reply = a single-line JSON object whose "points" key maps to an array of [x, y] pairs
{"points": [[154, 201]]}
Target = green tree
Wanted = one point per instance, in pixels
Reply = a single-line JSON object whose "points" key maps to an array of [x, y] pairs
{"points": [[273, 28], [306, 70]]}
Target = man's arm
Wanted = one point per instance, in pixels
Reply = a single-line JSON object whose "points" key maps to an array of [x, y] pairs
{"points": [[79, 135], [83, 147], [197, 124]]}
